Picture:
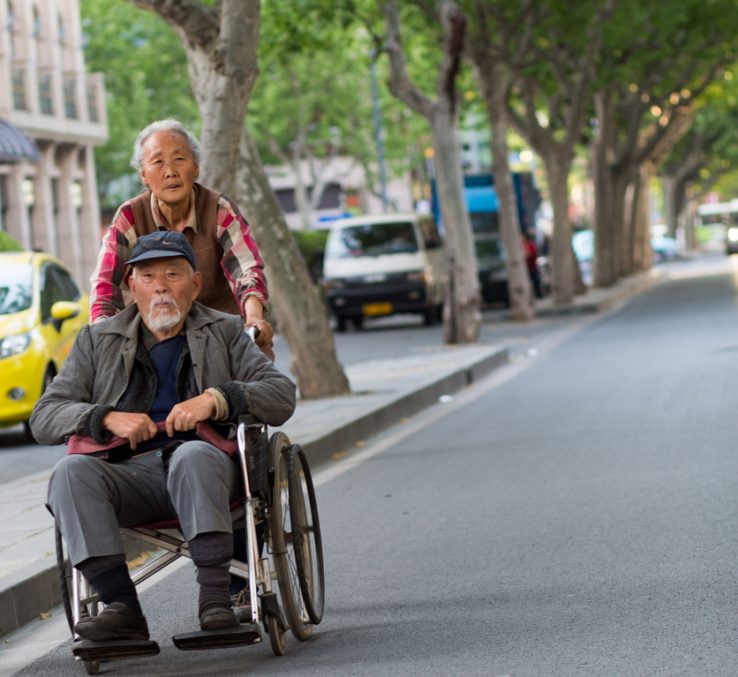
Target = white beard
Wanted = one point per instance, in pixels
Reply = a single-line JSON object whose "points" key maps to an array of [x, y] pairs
{"points": [[163, 319]]}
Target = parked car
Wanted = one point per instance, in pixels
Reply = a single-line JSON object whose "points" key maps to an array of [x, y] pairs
{"points": [[384, 264], [582, 242], [41, 311]]}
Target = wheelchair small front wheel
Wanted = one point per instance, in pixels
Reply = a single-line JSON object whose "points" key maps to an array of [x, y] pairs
{"points": [[282, 539], [276, 636]]}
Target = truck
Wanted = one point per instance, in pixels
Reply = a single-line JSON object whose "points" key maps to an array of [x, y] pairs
{"points": [[483, 208]]}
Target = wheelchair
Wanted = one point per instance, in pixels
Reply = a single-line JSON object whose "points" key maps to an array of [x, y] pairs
{"points": [[283, 566]]}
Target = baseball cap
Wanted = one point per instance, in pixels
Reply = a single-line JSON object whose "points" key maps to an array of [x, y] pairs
{"points": [[161, 245]]}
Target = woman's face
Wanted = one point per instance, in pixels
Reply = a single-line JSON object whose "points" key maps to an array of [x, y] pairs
{"points": [[168, 167]]}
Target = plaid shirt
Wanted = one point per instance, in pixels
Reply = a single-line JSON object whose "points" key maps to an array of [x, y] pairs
{"points": [[245, 269]]}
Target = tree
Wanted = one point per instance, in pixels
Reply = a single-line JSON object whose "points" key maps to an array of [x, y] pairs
{"points": [[312, 104], [494, 82], [549, 97], [220, 42], [705, 153], [657, 60], [462, 317]]}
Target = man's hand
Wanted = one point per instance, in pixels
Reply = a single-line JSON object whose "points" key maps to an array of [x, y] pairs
{"points": [[134, 427], [186, 415], [264, 335]]}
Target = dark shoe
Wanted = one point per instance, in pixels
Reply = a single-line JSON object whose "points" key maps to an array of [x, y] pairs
{"points": [[116, 621], [217, 617]]}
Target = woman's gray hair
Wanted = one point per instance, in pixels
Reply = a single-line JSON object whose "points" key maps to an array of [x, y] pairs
{"points": [[168, 125]]}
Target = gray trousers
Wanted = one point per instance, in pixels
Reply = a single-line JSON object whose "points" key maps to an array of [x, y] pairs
{"points": [[90, 498]]}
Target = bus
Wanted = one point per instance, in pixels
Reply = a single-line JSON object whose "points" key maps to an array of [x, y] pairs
{"points": [[724, 216]]}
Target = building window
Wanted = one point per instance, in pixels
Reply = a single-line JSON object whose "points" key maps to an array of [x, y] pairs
{"points": [[60, 30], [36, 24], [92, 113], [55, 197], [77, 195], [19, 89], [11, 28], [70, 97], [46, 100], [3, 201]]}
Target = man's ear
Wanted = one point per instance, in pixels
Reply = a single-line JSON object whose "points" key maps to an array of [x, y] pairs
{"points": [[130, 279], [197, 284]]}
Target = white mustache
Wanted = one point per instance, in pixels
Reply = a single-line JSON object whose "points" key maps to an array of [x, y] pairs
{"points": [[160, 301]]}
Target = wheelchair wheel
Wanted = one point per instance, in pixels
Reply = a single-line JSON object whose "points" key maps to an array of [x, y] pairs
{"points": [[282, 542], [276, 636], [306, 537], [64, 571]]}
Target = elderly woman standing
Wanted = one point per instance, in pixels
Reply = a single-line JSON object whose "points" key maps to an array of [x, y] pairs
{"points": [[166, 157]]}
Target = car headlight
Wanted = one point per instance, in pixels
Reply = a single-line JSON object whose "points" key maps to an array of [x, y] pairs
{"points": [[12, 345], [418, 276], [333, 284]]}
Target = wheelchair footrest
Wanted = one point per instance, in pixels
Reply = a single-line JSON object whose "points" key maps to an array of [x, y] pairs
{"points": [[88, 650], [246, 633]]}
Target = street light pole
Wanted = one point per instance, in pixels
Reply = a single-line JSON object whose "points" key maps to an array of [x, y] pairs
{"points": [[378, 131]]}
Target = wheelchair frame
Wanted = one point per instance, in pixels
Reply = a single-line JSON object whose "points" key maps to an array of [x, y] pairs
{"points": [[293, 558]]}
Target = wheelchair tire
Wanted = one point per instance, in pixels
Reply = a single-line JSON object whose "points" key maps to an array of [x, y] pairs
{"points": [[281, 539], [64, 571], [276, 636], [306, 536]]}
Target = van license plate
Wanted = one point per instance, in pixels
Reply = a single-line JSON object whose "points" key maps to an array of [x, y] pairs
{"points": [[376, 309]]}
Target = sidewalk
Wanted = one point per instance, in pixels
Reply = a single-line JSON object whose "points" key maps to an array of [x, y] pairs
{"points": [[384, 392]]}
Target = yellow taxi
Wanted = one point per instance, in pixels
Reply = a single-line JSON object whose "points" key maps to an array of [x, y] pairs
{"points": [[41, 311]]}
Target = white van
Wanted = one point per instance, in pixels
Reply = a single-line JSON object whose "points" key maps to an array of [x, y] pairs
{"points": [[384, 264]]}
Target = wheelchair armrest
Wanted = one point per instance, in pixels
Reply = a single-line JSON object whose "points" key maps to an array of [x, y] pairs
{"points": [[250, 421]]}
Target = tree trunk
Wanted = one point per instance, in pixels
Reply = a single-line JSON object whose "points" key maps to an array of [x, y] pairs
{"points": [[641, 255], [520, 292], [223, 71], [298, 307], [462, 317], [562, 255], [670, 186], [605, 268]]}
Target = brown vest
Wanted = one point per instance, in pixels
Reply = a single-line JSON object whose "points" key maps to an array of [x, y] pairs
{"points": [[216, 292]]}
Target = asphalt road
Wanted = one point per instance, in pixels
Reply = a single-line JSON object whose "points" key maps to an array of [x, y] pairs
{"points": [[574, 514]]}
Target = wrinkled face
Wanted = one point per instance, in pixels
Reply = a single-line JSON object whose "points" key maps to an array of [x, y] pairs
{"points": [[168, 167], [163, 290]]}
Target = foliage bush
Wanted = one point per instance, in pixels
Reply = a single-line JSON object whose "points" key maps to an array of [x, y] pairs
{"points": [[311, 244], [8, 244]]}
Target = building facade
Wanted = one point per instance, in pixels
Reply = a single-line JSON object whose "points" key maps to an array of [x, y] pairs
{"points": [[48, 198], [344, 190]]}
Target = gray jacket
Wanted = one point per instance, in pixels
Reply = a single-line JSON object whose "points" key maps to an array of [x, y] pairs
{"points": [[98, 374]]}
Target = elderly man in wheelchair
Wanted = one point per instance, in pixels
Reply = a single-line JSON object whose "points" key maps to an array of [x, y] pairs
{"points": [[139, 384]]}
